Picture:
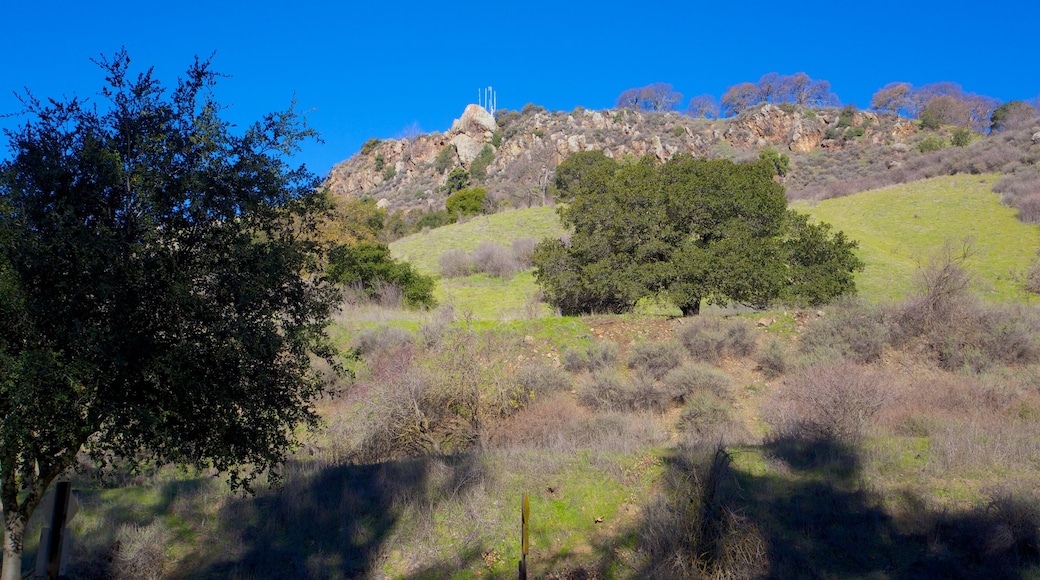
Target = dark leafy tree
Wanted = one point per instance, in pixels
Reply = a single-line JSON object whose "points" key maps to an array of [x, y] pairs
{"points": [[457, 179], [585, 171], [153, 294], [1012, 115], [368, 264], [688, 230]]}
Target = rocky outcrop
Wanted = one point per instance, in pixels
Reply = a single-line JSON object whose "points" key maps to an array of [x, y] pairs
{"points": [[528, 145]]}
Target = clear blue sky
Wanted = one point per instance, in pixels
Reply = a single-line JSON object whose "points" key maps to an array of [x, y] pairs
{"points": [[372, 69]]}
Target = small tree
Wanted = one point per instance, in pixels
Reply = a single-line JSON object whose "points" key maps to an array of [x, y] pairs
{"points": [[466, 202], [153, 297], [369, 264]]}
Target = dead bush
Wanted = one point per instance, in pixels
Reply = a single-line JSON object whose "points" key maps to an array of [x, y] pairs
{"points": [[455, 264], [495, 260], [709, 337], [382, 338], [645, 393], [655, 358], [829, 401], [523, 251], [140, 552], [705, 415]]}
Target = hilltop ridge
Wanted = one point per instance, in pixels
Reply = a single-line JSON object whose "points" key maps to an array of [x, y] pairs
{"points": [[527, 145]]}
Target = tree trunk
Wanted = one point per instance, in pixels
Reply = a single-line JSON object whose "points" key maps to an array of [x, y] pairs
{"points": [[14, 533], [691, 309]]}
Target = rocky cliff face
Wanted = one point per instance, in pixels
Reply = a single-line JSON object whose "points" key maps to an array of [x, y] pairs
{"points": [[528, 145]]}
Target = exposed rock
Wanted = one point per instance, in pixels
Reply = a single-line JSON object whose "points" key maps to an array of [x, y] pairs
{"points": [[903, 129], [1036, 137], [467, 148], [476, 120]]}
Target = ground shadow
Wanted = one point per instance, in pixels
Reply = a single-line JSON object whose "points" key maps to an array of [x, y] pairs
{"points": [[813, 519], [335, 522]]}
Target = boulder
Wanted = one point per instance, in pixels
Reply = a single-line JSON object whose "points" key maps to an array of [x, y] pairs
{"points": [[476, 120], [467, 147]]}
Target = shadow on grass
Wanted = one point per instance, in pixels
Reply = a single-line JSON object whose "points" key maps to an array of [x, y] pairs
{"points": [[339, 522], [810, 518]]}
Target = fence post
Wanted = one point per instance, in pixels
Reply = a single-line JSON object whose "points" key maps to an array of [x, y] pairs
{"points": [[525, 514]]}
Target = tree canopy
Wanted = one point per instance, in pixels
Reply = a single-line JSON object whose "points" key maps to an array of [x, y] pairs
{"points": [[686, 230], [154, 294]]}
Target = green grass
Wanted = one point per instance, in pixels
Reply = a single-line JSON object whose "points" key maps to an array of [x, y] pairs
{"points": [[901, 226], [425, 249]]}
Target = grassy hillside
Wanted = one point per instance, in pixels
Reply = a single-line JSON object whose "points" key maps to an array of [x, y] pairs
{"points": [[481, 296], [898, 227]]}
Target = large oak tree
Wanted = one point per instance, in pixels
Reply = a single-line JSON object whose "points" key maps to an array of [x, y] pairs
{"points": [[688, 230], [155, 301]]}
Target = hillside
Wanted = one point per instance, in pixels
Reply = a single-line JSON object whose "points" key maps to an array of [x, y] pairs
{"points": [[528, 145]]}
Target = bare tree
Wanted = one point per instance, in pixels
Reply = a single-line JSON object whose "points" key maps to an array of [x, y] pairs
{"points": [[740, 97], [628, 99], [704, 106], [659, 97], [894, 98]]}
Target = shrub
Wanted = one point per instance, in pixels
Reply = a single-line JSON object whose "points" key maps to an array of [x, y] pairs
{"points": [[523, 250], [931, 143], [140, 552], [380, 161], [679, 131], [455, 264], [961, 137], [478, 168], [494, 260], [846, 116], [708, 337], [851, 330], [389, 172], [691, 377], [704, 414], [655, 358], [604, 390], [645, 393], [540, 379], [370, 146], [382, 338], [601, 355], [774, 359], [852, 133], [830, 401], [445, 159], [465, 202]]}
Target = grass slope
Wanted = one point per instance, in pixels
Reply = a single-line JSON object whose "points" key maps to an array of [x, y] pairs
{"points": [[898, 227], [483, 297]]}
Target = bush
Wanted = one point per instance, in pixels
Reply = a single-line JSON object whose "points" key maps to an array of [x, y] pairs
{"points": [[523, 250], [830, 401], [141, 551], [655, 358], [540, 379], [445, 159], [478, 168], [380, 161], [646, 394], [851, 330], [931, 143], [961, 137], [690, 378], [708, 337], [494, 260], [382, 338], [774, 359], [604, 390], [466, 202], [455, 264], [704, 414], [852, 133], [457, 180], [370, 146]]}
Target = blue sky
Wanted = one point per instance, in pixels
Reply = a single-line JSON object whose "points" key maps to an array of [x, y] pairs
{"points": [[374, 69]]}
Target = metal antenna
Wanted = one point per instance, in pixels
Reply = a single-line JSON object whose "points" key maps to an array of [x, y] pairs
{"points": [[488, 98]]}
